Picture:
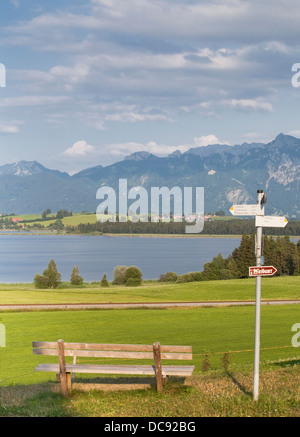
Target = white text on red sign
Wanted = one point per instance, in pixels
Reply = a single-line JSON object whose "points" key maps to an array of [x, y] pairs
{"points": [[262, 271]]}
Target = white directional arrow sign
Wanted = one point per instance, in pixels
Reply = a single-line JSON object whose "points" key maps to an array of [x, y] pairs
{"points": [[246, 210], [269, 221]]}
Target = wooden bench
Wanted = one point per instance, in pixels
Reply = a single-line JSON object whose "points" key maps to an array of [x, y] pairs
{"points": [[155, 352]]}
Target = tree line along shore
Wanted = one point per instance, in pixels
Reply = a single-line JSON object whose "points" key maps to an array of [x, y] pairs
{"points": [[68, 223], [280, 252]]}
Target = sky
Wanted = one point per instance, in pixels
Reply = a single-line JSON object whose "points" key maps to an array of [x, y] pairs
{"points": [[90, 82]]}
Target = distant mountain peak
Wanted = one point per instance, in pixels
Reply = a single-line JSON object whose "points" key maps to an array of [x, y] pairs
{"points": [[139, 156], [280, 136], [285, 138], [25, 168], [22, 168], [175, 154]]}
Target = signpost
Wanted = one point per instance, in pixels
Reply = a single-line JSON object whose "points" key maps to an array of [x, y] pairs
{"points": [[262, 271], [244, 210], [258, 271], [270, 221]]}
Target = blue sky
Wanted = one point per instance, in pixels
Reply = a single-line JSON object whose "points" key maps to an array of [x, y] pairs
{"points": [[89, 82]]}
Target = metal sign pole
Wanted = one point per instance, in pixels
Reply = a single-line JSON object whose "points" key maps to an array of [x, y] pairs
{"points": [[257, 315], [260, 195], [261, 221]]}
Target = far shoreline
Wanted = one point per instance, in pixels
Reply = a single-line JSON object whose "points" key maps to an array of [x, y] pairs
{"points": [[47, 233], [15, 233]]}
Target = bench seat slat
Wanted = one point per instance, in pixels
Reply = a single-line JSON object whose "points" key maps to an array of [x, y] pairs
{"points": [[118, 369]]}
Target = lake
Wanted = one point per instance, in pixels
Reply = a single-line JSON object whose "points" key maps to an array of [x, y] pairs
{"points": [[22, 256]]}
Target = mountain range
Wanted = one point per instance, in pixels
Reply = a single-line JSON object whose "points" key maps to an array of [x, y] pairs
{"points": [[229, 174]]}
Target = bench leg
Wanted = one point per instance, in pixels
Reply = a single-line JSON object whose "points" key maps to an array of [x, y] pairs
{"points": [[74, 362], [157, 362], [165, 379], [62, 368], [64, 384], [69, 382]]}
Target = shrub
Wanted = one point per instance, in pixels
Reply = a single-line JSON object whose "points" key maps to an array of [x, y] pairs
{"points": [[190, 277], [50, 277], [40, 281], [133, 282], [76, 279], [104, 281], [57, 225], [119, 275], [168, 277], [133, 276]]}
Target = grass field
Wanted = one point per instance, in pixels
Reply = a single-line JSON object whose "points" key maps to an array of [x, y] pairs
{"points": [[287, 287], [213, 394], [78, 218], [73, 220], [211, 332], [214, 330]]}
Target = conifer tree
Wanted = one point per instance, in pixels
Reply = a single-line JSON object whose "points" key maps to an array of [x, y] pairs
{"points": [[244, 255], [104, 281], [76, 279], [50, 277]]}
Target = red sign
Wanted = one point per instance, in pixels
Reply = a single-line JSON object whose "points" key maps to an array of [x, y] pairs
{"points": [[262, 271]]}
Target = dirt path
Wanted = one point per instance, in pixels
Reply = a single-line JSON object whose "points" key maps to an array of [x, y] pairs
{"points": [[80, 306]]}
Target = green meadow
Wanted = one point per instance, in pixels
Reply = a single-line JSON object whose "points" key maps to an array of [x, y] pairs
{"points": [[79, 218], [282, 287], [213, 390], [73, 220], [212, 331]]}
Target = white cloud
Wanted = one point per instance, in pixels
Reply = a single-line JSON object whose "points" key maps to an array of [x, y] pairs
{"points": [[123, 149], [9, 129], [79, 148], [115, 65], [230, 19], [122, 69], [249, 104], [70, 76], [294, 133], [133, 117], [37, 100], [206, 140], [99, 116], [15, 3]]}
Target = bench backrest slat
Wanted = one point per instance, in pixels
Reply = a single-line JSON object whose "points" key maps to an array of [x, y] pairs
{"points": [[114, 354], [103, 346], [113, 350]]}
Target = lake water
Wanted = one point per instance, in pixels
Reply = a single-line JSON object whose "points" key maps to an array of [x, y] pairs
{"points": [[22, 256]]}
